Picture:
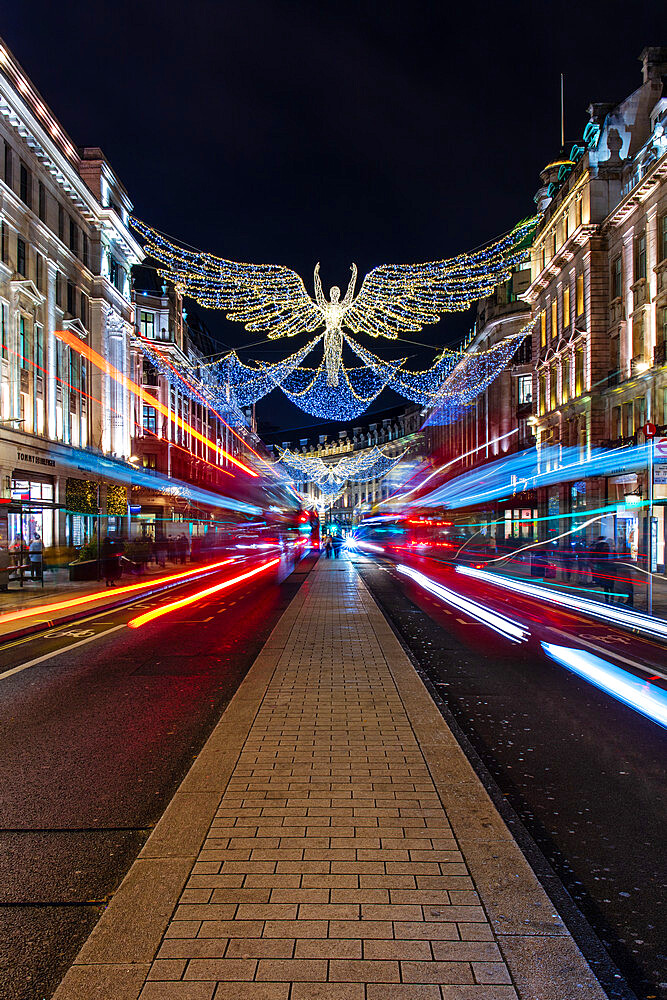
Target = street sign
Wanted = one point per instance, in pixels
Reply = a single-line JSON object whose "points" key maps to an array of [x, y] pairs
{"points": [[649, 430], [660, 474]]}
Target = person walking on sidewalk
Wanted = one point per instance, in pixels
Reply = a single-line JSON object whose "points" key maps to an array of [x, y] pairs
{"points": [[337, 546], [36, 549], [110, 562], [328, 545]]}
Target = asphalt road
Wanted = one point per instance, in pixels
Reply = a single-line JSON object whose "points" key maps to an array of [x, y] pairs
{"points": [[94, 742], [584, 773]]}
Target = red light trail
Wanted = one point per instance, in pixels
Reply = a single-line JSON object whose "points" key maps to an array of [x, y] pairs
{"points": [[168, 608], [98, 595]]}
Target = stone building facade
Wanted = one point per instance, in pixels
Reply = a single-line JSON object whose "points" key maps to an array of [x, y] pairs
{"points": [[65, 258], [596, 295]]}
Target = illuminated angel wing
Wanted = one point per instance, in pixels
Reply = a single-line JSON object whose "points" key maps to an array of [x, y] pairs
{"points": [[401, 298], [264, 297]]}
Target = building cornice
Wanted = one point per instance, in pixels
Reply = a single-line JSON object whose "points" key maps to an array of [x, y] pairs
{"points": [[638, 195]]}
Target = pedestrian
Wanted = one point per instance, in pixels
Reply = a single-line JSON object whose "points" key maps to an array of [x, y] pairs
{"points": [[337, 544], [109, 562], [328, 545], [35, 550]]}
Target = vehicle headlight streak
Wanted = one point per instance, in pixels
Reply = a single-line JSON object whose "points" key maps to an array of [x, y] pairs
{"points": [[499, 623], [620, 616], [643, 697], [175, 605]]}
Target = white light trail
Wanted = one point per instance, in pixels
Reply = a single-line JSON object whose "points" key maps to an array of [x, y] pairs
{"points": [[499, 623], [620, 616], [639, 695]]}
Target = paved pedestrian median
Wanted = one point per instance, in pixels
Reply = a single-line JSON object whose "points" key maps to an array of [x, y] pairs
{"points": [[331, 842]]}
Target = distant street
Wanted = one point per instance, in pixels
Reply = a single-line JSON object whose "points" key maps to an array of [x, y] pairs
{"points": [[584, 773], [94, 742]]}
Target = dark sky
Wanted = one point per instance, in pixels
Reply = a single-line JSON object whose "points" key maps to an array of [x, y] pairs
{"points": [[292, 132]]}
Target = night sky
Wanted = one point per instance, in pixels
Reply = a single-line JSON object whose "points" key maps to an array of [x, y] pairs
{"points": [[291, 132]]}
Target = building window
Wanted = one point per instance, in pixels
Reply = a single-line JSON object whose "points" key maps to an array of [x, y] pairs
{"points": [[114, 272], [39, 270], [59, 290], [147, 324], [5, 331], [84, 309], [20, 256], [22, 343], [74, 237], [543, 327], [71, 299], [553, 388], [42, 202], [554, 317], [662, 237], [614, 355], [565, 378], [566, 227], [149, 461], [580, 294], [150, 419], [640, 257], [4, 249], [579, 383], [39, 349], [617, 422], [577, 211], [543, 392], [61, 223], [84, 249], [525, 389], [25, 185], [566, 306], [638, 336], [73, 370], [617, 277], [9, 166], [628, 419]]}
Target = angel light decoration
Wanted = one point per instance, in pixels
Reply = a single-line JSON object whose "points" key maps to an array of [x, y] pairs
{"points": [[393, 299]]}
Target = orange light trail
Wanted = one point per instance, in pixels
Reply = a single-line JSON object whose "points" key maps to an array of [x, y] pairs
{"points": [[97, 596], [151, 615], [75, 344], [189, 384]]}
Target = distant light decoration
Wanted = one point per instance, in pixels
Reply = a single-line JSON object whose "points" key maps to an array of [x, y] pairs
{"points": [[361, 468], [393, 299]]}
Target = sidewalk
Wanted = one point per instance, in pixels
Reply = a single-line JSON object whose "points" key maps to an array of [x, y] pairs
{"points": [[330, 842]]}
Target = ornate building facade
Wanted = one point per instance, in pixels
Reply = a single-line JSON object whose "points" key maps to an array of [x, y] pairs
{"points": [[598, 296], [65, 258]]}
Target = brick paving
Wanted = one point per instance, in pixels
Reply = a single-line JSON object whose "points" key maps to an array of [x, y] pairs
{"points": [[330, 868], [331, 842]]}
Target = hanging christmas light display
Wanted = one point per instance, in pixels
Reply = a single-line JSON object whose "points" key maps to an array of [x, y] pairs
{"points": [[393, 299], [360, 468]]}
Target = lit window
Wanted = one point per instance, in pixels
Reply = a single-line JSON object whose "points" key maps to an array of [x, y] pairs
{"points": [[554, 316], [147, 324], [566, 305], [150, 419], [580, 295], [525, 389], [543, 327]]}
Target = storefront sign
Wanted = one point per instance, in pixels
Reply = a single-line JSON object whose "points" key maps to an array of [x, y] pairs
{"points": [[22, 456], [660, 449]]}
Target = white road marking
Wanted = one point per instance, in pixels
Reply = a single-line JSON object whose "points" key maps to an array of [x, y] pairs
{"points": [[57, 652]]}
